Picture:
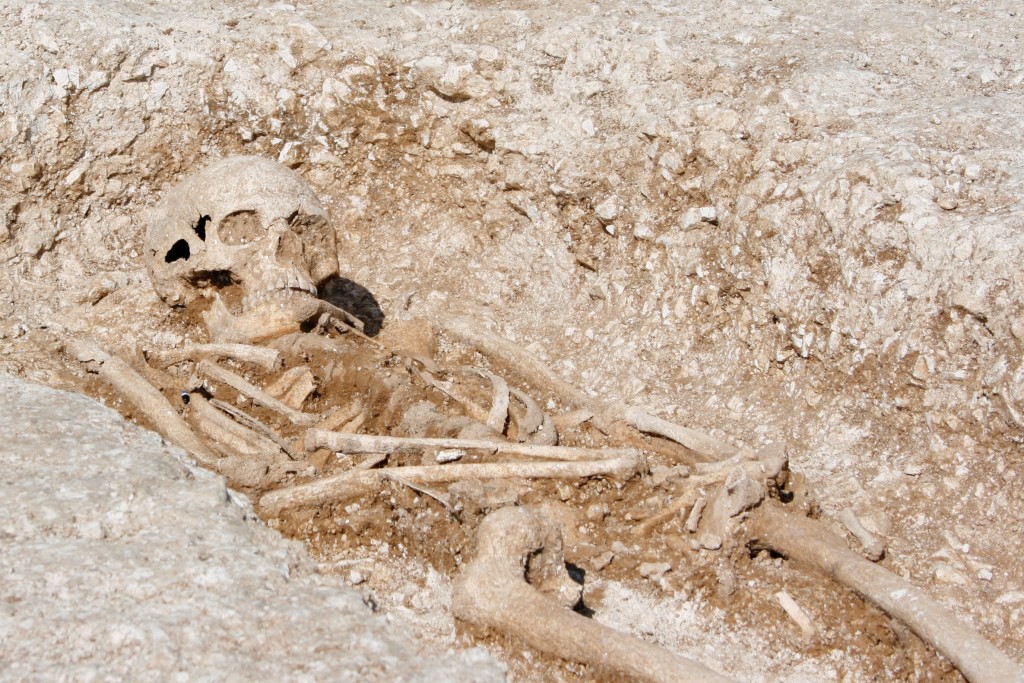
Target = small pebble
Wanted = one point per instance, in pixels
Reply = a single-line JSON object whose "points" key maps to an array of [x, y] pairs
{"points": [[913, 470], [597, 511], [355, 577], [711, 541], [564, 492], [602, 560], [607, 210], [947, 202], [985, 574], [654, 570], [947, 574], [708, 214]]}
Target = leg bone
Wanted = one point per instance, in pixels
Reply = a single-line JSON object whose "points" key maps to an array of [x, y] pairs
{"points": [[807, 541], [491, 593]]}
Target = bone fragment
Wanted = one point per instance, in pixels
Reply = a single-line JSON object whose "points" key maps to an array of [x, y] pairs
{"points": [[357, 483], [370, 462], [542, 376], [499, 348], [452, 390], [498, 415], [242, 385], [257, 426], [807, 541], [720, 466], [796, 613], [874, 548], [366, 443], [441, 498], [450, 455], [573, 418], [693, 520], [298, 343], [267, 358], [350, 323], [340, 416], [696, 441], [491, 593], [146, 398], [537, 426], [353, 425], [534, 417], [225, 434], [668, 512], [262, 324], [293, 387]]}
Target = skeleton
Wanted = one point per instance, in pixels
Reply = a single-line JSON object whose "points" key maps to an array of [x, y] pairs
{"points": [[247, 240]]}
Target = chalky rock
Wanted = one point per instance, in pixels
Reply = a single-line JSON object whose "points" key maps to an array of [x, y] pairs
{"points": [[121, 561]]}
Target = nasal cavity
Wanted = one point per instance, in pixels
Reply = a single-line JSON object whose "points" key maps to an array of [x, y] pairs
{"points": [[179, 250], [200, 228]]}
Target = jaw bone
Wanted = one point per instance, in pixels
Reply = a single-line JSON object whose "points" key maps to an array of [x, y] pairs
{"points": [[278, 316]]}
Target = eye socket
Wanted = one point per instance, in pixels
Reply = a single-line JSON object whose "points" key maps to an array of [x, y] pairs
{"points": [[178, 251], [240, 227]]}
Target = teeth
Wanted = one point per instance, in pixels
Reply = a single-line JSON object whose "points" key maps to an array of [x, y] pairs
{"points": [[289, 282]]}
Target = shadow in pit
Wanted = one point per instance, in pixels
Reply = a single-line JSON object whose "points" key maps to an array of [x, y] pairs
{"points": [[579, 575], [356, 299]]}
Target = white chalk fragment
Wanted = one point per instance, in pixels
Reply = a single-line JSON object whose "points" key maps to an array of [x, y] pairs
{"points": [[607, 210], [450, 455]]}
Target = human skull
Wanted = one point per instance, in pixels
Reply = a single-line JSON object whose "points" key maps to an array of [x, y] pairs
{"points": [[248, 234]]}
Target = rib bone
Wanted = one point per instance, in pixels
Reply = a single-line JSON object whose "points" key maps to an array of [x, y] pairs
{"points": [[542, 376], [215, 372], [228, 436]]}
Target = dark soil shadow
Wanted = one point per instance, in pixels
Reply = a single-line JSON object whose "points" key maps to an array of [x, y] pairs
{"points": [[356, 299]]}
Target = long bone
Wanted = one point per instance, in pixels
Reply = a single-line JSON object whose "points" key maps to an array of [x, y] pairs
{"points": [[226, 435], [257, 426], [146, 398], [807, 541], [367, 443], [356, 483], [540, 375], [785, 533], [267, 358], [491, 592]]}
